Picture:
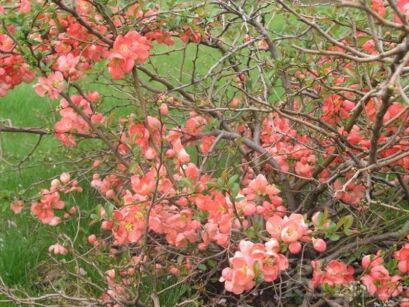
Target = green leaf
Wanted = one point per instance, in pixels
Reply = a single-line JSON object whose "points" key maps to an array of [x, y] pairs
{"points": [[235, 190], [185, 182], [202, 267], [233, 179], [334, 237]]}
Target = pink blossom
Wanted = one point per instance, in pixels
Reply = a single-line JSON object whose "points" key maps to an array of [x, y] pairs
{"points": [[52, 85], [379, 7], [164, 109], [57, 249], [248, 261], [319, 245], [24, 7], [65, 178], [335, 273], [402, 256], [127, 51]]}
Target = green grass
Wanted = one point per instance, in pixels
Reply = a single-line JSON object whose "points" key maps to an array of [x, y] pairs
{"points": [[23, 241]]}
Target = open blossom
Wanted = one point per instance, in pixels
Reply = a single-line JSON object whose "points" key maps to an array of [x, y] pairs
{"points": [[67, 64], [335, 273], [13, 68], [206, 144], [239, 277], [251, 260], [290, 230], [71, 122], [44, 209], [335, 109], [353, 194], [129, 224], [293, 228], [377, 278], [127, 51], [263, 196], [190, 35], [384, 286], [52, 85]]}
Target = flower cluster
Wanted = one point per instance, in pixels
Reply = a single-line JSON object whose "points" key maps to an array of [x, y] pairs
{"points": [[13, 68], [377, 279], [72, 122], [335, 273], [336, 109], [252, 262], [52, 85], [128, 50], [291, 230], [50, 200], [286, 145]]}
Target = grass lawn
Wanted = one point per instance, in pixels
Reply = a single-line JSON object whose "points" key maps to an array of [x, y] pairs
{"points": [[23, 241]]}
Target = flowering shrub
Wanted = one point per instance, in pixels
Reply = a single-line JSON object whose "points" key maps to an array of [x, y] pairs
{"points": [[225, 151]]}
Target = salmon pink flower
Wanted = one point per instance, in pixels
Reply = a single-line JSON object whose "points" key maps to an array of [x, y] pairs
{"points": [[67, 64], [369, 261], [235, 102], [164, 109], [238, 278], [65, 178], [17, 206], [353, 194], [403, 6], [6, 43], [379, 7], [52, 85], [274, 226], [249, 262], [57, 249], [92, 239], [294, 228], [336, 109], [206, 144], [44, 209], [294, 247], [271, 266], [379, 282], [335, 273], [127, 51], [119, 65], [160, 37], [377, 278], [402, 256], [24, 7], [319, 245], [129, 225]]}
